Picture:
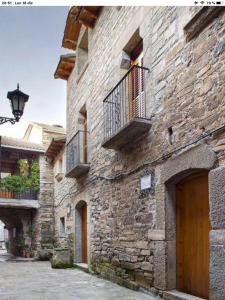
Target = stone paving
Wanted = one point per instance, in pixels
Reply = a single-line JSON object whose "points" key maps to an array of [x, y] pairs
{"points": [[21, 280]]}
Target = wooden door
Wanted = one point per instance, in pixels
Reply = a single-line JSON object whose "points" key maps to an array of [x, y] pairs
{"points": [[137, 104], [84, 233], [192, 234]]}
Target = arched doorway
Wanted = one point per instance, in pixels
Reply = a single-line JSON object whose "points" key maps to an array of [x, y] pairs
{"points": [[192, 235], [81, 233], [3, 238]]}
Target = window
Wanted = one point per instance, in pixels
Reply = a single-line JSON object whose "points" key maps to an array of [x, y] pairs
{"points": [[134, 49], [62, 225], [83, 119], [82, 52], [59, 169], [201, 20], [171, 136]]}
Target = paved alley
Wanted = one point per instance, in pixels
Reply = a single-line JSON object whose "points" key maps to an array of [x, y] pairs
{"points": [[37, 280]]}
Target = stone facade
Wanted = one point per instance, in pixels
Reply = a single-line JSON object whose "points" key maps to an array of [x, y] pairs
{"points": [[131, 233], [61, 194], [44, 218]]}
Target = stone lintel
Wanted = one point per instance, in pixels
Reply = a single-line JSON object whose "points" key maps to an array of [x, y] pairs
{"points": [[197, 158], [156, 235]]}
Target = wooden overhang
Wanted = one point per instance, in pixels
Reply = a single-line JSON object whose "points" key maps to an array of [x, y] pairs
{"points": [[65, 66], [12, 150], [78, 16], [55, 147]]}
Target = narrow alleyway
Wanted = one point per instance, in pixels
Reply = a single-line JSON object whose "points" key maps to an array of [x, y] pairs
{"points": [[37, 280]]}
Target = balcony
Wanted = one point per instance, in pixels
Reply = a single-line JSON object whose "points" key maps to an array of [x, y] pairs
{"points": [[26, 199], [125, 110], [76, 155]]}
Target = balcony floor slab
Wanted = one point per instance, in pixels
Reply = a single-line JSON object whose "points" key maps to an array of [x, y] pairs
{"points": [[128, 133], [19, 203], [78, 171]]}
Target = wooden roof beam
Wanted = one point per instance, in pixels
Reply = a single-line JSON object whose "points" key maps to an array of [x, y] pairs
{"points": [[71, 42], [92, 14], [86, 23]]}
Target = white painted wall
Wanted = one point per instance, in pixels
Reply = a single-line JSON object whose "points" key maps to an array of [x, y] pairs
{"points": [[35, 135]]}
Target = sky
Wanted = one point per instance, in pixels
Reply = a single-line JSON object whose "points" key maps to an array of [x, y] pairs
{"points": [[30, 47]]}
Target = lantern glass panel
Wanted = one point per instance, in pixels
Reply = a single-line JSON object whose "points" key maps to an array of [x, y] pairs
{"points": [[21, 104], [15, 103]]}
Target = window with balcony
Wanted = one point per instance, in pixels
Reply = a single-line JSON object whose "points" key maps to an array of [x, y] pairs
{"points": [[77, 149], [59, 169], [125, 116], [82, 53]]}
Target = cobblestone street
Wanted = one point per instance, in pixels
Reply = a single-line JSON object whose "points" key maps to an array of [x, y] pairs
{"points": [[37, 280]]}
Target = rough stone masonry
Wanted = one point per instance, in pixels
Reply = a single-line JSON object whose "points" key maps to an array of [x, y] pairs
{"points": [[131, 233]]}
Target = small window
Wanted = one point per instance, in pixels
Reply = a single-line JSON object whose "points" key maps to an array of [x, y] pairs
{"points": [[171, 136], [82, 52], [201, 20], [62, 225]]}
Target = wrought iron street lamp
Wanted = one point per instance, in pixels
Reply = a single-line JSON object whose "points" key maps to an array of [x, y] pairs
{"points": [[17, 100]]}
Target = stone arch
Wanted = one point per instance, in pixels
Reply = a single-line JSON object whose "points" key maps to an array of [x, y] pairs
{"points": [[81, 239], [197, 159], [3, 237], [15, 229]]}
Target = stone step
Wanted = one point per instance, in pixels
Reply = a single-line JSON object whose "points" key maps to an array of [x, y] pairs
{"points": [[176, 295], [82, 267]]}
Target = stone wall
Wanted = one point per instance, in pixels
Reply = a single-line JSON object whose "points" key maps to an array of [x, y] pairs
{"points": [[63, 193], [185, 91], [44, 220]]}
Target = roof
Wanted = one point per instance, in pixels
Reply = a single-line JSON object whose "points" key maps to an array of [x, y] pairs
{"points": [[46, 127], [65, 66], [78, 15], [52, 128], [8, 142], [55, 146]]}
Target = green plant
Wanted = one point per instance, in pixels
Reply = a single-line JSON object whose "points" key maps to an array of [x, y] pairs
{"points": [[31, 232], [24, 167], [34, 180], [14, 183], [23, 182]]}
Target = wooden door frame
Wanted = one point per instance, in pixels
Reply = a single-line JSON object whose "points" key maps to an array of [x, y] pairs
{"points": [[182, 190], [170, 220], [78, 231]]}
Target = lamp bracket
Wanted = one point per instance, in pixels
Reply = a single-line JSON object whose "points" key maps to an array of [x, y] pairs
{"points": [[4, 120]]}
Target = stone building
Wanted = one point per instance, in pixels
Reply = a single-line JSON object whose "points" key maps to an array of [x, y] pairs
{"points": [[19, 208], [29, 216], [43, 134], [145, 145]]}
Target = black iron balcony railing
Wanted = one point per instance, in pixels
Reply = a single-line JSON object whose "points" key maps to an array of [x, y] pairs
{"points": [[126, 101], [26, 195], [77, 154]]}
